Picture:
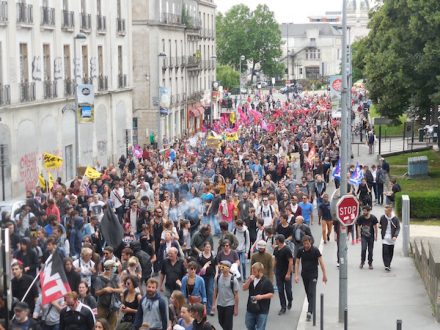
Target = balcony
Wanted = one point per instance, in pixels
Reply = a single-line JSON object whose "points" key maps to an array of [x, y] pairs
{"points": [[120, 23], [25, 15], [87, 80], [68, 21], [27, 91], [86, 22], [48, 17], [69, 87], [102, 83], [182, 62], [101, 23], [193, 61], [122, 81], [170, 18], [5, 95], [194, 23], [3, 12], [50, 89]]}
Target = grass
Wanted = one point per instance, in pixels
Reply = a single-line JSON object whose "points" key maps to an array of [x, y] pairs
{"points": [[425, 222], [388, 130]]}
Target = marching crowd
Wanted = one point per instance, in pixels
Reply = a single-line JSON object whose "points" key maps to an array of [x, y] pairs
{"points": [[162, 239]]}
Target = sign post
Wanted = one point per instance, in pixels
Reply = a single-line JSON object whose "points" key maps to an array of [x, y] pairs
{"points": [[347, 210]]}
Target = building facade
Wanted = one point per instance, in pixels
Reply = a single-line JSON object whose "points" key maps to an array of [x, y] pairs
{"points": [[174, 50], [46, 48]]}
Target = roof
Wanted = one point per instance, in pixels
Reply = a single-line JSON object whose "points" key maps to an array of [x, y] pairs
{"points": [[300, 30]]}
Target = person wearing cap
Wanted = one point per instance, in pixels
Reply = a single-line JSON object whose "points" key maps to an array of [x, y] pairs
{"points": [[21, 318], [265, 258], [226, 296], [368, 225], [283, 271]]}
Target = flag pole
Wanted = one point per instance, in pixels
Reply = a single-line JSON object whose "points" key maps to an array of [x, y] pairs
{"points": [[30, 287]]}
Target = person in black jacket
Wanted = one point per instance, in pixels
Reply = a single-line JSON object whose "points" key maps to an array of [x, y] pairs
{"points": [[21, 283], [76, 315], [28, 257], [390, 229]]}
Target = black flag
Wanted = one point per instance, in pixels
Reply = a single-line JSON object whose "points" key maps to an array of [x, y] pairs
{"points": [[111, 229]]}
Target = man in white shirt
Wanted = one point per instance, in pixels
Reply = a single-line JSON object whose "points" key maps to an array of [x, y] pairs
{"points": [[96, 207], [118, 200]]}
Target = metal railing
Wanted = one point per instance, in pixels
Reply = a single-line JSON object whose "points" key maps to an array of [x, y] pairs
{"points": [[50, 89], [183, 61], [120, 23], [86, 21], [184, 97], [87, 80], [170, 18], [101, 23], [47, 16], [193, 23], [69, 87], [102, 83], [5, 94], [68, 20], [25, 14], [3, 12], [193, 61], [27, 91], [177, 98], [122, 80]]}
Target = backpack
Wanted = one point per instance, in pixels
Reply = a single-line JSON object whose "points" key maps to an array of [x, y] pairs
{"points": [[232, 281], [270, 209], [244, 233]]}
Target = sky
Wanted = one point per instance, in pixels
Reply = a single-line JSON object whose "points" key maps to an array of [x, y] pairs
{"points": [[287, 11]]}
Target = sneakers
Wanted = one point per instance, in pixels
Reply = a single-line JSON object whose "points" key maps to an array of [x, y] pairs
{"points": [[361, 265], [282, 311], [289, 305], [370, 266], [328, 237], [309, 317], [388, 269]]}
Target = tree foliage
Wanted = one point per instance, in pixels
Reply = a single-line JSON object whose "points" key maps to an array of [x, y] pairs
{"points": [[227, 76], [254, 34], [400, 56]]}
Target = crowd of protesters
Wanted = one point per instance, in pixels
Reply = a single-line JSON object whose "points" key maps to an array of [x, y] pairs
{"points": [[191, 218]]}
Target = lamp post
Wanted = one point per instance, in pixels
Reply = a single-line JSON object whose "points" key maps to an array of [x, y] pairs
{"points": [[242, 58], [79, 36], [160, 56], [213, 82]]}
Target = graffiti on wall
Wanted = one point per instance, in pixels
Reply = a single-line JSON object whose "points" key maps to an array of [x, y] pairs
{"points": [[29, 170]]}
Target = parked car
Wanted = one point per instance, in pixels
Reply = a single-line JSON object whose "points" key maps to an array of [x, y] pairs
{"points": [[12, 207]]}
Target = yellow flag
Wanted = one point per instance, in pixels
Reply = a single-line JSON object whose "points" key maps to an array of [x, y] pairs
{"points": [[51, 162], [51, 180], [231, 136], [91, 173], [41, 181], [232, 117]]}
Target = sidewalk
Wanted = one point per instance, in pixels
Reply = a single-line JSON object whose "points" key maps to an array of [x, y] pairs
{"points": [[376, 299]]}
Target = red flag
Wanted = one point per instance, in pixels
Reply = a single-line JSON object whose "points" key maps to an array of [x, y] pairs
{"points": [[53, 280]]}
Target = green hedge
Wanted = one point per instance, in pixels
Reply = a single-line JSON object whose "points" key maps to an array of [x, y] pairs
{"points": [[424, 205]]}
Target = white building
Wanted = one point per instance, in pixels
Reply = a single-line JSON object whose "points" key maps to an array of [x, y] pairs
{"points": [[311, 50], [174, 44], [37, 79]]}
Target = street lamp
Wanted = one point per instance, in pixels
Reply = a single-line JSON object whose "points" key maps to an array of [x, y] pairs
{"points": [[161, 55], [242, 58], [214, 85], [81, 37]]}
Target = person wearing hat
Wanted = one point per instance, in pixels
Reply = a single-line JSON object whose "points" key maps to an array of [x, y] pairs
{"points": [[265, 258], [22, 319], [226, 296], [368, 226]]}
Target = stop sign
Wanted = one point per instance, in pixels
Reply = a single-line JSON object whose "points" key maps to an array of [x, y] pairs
{"points": [[347, 210]]}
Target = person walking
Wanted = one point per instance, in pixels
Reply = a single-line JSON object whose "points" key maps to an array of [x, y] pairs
{"points": [[260, 293], [76, 315], [226, 296], [326, 218], [390, 229], [283, 272], [265, 258], [367, 223], [193, 285], [309, 257]]}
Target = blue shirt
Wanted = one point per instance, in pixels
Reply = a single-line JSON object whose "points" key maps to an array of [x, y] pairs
{"points": [[307, 210]]}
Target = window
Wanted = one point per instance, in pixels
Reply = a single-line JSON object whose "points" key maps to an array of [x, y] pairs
{"points": [[66, 5], [67, 67], [99, 7], [313, 54], [46, 62], [1, 64], [312, 39], [118, 6], [83, 6], [24, 63], [120, 70], [100, 61], [85, 62]]}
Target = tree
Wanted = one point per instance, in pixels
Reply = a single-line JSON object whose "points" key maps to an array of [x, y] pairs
{"points": [[256, 35], [227, 76]]}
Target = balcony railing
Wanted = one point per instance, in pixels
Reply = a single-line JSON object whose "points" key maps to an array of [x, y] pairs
{"points": [[101, 23], [50, 89], [68, 20], [170, 18], [3, 12], [27, 91], [193, 22], [25, 14], [87, 80], [122, 80], [47, 16], [5, 94], [171, 62], [120, 23], [69, 87], [102, 83], [184, 97], [183, 61], [86, 22], [193, 61]]}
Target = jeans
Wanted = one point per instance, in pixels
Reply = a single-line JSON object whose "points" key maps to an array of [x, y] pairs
{"points": [[375, 192], [387, 254], [367, 243], [50, 327], [284, 289], [213, 221], [310, 286], [209, 285], [226, 317], [255, 321], [242, 258], [379, 195]]}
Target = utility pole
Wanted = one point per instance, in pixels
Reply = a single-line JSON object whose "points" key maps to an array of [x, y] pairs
{"points": [[159, 120], [344, 164]]}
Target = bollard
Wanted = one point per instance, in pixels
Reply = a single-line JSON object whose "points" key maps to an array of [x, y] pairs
{"points": [[314, 307], [321, 321], [346, 318], [399, 324], [405, 224]]}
